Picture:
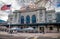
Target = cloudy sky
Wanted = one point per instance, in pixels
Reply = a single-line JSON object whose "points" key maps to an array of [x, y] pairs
{"points": [[12, 2], [16, 6]]}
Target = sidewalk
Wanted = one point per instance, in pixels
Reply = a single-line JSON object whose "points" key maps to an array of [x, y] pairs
{"points": [[52, 35]]}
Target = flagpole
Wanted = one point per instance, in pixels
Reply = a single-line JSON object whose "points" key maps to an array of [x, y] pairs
{"points": [[10, 18], [4, 8], [9, 27]]}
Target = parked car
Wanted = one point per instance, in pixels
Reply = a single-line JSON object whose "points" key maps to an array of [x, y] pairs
{"points": [[30, 30], [15, 30]]}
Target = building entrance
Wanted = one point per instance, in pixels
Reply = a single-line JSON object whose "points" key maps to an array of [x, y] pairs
{"points": [[41, 29]]}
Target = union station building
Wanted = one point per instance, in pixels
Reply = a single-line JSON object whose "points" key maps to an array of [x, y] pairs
{"points": [[39, 19], [34, 16]]}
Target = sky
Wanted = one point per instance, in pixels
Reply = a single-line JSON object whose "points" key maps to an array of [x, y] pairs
{"points": [[54, 5], [13, 3], [57, 5], [16, 6]]}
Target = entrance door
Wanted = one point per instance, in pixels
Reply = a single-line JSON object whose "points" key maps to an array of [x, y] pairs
{"points": [[41, 29]]}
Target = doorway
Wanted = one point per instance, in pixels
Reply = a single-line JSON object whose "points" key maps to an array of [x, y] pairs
{"points": [[41, 29]]}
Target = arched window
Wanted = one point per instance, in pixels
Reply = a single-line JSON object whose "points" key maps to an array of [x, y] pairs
{"points": [[33, 19], [27, 19], [22, 19]]}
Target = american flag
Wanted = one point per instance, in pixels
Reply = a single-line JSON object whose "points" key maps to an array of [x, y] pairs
{"points": [[5, 7]]}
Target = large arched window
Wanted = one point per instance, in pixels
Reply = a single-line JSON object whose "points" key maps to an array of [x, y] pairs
{"points": [[22, 19], [33, 19], [27, 19]]}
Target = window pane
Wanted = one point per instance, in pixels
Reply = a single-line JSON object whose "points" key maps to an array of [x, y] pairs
{"points": [[33, 19], [22, 19], [27, 19]]}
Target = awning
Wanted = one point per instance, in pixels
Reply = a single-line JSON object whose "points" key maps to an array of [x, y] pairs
{"points": [[35, 24]]}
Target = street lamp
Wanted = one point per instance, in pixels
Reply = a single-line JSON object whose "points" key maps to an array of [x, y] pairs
{"points": [[9, 26]]}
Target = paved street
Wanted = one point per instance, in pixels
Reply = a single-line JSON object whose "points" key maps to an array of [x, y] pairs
{"points": [[5, 35], [10, 37], [13, 37]]}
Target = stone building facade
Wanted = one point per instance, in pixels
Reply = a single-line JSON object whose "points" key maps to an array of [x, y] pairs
{"points": [[36, 16], [51, 16]]}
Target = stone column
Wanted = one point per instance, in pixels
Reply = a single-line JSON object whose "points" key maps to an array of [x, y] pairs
{"points": [[45, 29], [17, 21], [38, 29], [38, 17], [58, 28]]}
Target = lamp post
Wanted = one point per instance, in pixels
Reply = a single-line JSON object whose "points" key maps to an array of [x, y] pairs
{"points": [[9, 26]]}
